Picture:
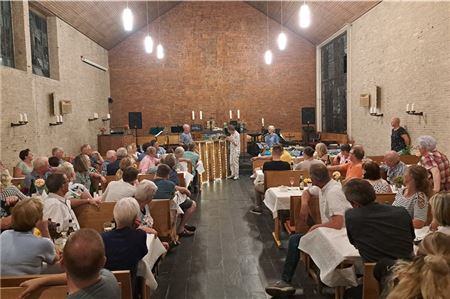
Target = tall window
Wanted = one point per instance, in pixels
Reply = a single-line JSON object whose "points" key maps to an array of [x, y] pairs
{"points": [[6, 35], [334, 85], [39, 44]]}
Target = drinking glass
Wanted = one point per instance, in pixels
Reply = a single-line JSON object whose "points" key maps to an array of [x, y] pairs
{"points": [[107, 226], [292, 181]]}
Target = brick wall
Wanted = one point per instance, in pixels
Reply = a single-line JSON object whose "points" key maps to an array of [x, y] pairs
{"points": [[403, 47], [214, 63], [22, 91]]}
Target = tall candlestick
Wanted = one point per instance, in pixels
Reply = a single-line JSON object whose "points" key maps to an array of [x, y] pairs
{"points": [[25, 117], [407, 107], [231, 114], [201, 115], [193, 115], [239, 114]]}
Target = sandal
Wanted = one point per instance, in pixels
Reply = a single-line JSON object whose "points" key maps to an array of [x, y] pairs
{"points": [[190, 228], [186, 233]]}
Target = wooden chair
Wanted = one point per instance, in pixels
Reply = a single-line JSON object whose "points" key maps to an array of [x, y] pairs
{"points": [[10, 287], [181, 179], [18, 181], [149, 177], [409, 159], [371, 289], [109, 179], [294, 224], [279, 178], [385, 198], [258, 163], [160, 211], [90, 216]]}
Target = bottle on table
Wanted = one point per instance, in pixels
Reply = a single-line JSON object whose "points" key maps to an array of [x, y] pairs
{"points": [[302, 183], [51, 229], [71, 228]]}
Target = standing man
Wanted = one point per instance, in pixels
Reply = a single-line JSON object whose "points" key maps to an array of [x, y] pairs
{"points": [[271, 137], [399, 137], [186, 137], [235, 148]]}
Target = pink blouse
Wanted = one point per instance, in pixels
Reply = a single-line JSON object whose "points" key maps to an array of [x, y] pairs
{"points": [[147, 163]]}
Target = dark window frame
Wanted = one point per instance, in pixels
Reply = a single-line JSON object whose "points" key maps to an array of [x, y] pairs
{"points": [[39, 43], [7, 34]]}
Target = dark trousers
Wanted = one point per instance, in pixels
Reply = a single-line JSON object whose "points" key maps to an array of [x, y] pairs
{"points": [[292, 258]]}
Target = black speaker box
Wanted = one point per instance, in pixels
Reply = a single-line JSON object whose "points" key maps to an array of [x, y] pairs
{"points": [[308, 116], [135, 120]]}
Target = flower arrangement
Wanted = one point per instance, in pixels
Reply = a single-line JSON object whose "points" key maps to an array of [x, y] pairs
{"points": [[102, 130], [39, 183], [398, 181], [307, 181], [336, 176]]}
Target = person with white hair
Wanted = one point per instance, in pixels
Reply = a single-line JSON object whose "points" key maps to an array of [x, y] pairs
{"points": [[186, 137], [126, 245], [9, 196], [41, 170], [271, 137], [393, 166], [111, 156], [58, 152], [112, 168], [435, 162], [399, 137]]}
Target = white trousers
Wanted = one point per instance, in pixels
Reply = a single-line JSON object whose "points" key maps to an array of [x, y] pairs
{"points": [[234, 163]]}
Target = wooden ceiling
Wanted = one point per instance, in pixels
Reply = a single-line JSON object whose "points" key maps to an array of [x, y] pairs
{"points": [[101, 20]]}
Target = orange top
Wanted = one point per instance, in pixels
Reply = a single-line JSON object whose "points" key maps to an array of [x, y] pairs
{"points": [[354, 171]]}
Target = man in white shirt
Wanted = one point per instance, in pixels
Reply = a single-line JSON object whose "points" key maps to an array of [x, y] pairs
{"points": [[117, 190], [333, 205], [235, 148], [56, 206]]}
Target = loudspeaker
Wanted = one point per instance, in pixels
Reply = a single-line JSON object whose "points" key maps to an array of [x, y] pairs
{"points": [[308, 116], [135, 120]]}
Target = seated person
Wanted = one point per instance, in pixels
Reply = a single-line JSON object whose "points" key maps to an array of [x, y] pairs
{"points": [[56, 206], [21, 252], [182, 163], [25, 165], [354, 167], [322, 153], [440, 209], [192, 155], [171, 161], [111, 156], [123, 188], [124, 163], [427, 275], [308, 155], [186, 137], [78, 193], [333, 205], [58, 152], [372, 174], [166, 190], [83, 260], [149, 162], [112, 168], [9, 196], [343, 156], [53, 162], [94, 157], [126, 245], [414, 197], [143, 152], [275, 165], [41, 170], [393, 166], [159, 149], [271, 137], [84, 173], [132, 151]]}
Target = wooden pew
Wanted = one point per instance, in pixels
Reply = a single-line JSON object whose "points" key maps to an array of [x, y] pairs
{"points": [[258, 163], [10, 287], [90, 216], [377, 159], [149, 177], [385, 198], [279, 178], [18, 181], [181, 179], [409, 159], [294, 224], [329, 138], [160, 211], [371, 289], [109, 179]]}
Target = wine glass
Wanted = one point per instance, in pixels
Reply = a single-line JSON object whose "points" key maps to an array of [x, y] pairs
{"points": [[292, 181]]}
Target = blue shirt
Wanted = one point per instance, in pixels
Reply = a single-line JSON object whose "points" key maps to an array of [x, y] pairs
{"points": [[186, 138], [272, 139], [166, 189]]}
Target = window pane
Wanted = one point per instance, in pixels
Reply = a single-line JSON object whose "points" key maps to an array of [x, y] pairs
{"points": [[6, 34], [39, 44], [334, 85]]}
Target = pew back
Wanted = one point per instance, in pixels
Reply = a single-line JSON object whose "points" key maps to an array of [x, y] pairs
{"points": [[385, 198], [90, 216], [149, 177], [160, 211], [371, 289], [279, 178]]}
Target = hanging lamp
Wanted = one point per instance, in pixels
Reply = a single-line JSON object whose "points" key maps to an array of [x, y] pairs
{"points": [[304, 16], [159, 48], [282, 38], [268, 53], [127, 19], [148, 41]]}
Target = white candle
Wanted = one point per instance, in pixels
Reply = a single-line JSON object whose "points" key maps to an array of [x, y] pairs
{"points": [[95, 115], [193, 115], [20, 117], [108, 116], [412, 107], [25, 117], [201, 115], [239, 114], [262, 122], [60, 118], [231, 114], [407, 107]]}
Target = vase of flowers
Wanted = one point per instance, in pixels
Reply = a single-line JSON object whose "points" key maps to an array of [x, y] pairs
{"points": [[337, 176], [398, 182], [40, 186], [307, 182]]}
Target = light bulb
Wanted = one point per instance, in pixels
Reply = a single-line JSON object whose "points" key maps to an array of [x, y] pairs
{"points": [[127, 19], [148, 44], [282, 41], [159, 51], [304, 16], [268, 57]]}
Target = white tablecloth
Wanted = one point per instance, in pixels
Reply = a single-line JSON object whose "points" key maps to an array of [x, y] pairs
{"points": [[145, 266], [275, 199]]}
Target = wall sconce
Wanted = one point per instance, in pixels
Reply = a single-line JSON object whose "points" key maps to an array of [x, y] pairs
{"points": [[108, 117], [94, 117], [23, 120], [412, 111], [59, 121], [373, 112]]}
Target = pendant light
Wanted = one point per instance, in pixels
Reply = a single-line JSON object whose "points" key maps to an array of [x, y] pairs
{"points": [[268, 53], [282, 38], [127, 19], [159, 48], [304, 16], [148, 41]]}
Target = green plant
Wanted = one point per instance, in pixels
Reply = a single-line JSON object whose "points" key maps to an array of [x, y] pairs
{"points": [[406, 151], [398, 181]]}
